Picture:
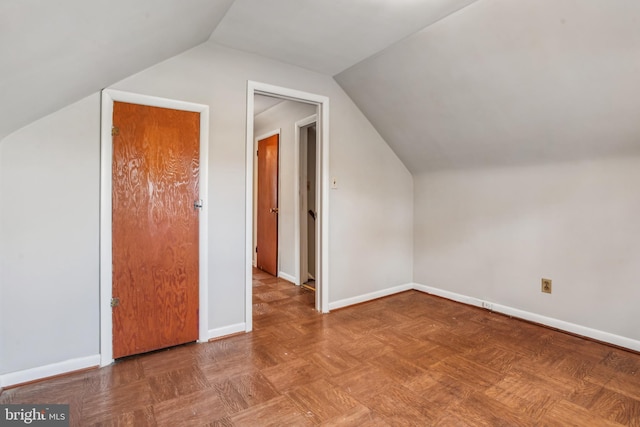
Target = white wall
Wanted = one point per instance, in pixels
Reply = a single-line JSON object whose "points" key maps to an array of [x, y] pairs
{"points": [[492, 234], [284, 116], [49, 201], [371, 239], [50, 191]]}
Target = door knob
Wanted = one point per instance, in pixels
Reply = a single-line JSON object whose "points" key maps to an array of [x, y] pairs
{"points": [[273, 210]]}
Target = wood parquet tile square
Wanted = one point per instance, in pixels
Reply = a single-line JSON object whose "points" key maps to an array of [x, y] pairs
{"points": [[195, 409], [407, 359], [254, 388], [615, 407], [288, 375], [357, 416], [362, 382], [176, 383], [396, 367], [565, 413], [280, 411], [398, 405], [230, 397], [322, 399], [480, 409], [102, 405]]}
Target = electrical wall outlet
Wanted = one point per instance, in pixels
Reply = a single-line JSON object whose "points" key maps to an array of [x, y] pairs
{"points": [[546, 286]]}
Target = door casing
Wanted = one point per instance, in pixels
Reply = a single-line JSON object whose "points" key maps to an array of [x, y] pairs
{"points": [[322, 103], [106, 158]]}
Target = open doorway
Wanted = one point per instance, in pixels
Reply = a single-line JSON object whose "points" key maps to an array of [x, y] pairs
{"points": [[306, 132], [283, 234], [289, 186]]}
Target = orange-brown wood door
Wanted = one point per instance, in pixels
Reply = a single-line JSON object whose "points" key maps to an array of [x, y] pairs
{"points": [[155, 227], [267, 211]]}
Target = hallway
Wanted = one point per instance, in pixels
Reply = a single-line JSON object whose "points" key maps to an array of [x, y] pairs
{"points": [[279, 302]]}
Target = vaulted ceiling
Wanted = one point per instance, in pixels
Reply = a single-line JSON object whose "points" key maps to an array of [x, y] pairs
{"points": [[507, 82], [57, 52], [329, 35], [447, 83]]}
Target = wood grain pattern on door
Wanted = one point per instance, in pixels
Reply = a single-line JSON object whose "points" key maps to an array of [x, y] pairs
{"points": [[154, 227], [267, 210]]}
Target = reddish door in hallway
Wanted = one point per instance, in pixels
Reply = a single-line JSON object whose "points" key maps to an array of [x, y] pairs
{"points": [[154, 227], [267, 210]]}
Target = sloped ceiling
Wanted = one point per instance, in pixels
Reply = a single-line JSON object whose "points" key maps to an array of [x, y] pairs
{"points": [[447, 83], [262, 103], [54, 53], [506, 82], [329, 35], [57, 52]]}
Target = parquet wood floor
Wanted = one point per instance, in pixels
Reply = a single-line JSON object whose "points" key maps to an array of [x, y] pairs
{"points": [[408, 359]]}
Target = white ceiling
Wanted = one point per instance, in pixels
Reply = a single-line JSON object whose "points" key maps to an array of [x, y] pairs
{"points": [[507, 82], [447, 83], [262, 103], [326, 35], [54, 53]]}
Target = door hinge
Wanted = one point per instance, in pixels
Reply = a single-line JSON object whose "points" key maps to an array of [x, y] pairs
{"points": [[115, 302], [115, 131], [197, 204]]}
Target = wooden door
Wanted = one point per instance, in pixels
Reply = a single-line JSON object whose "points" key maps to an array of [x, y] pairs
{"points": [[154, 227], [267, 211]]}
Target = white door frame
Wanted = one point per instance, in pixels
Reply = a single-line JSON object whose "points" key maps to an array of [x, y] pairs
{"points": [[106, 159], [300, 238], [322, 102]]}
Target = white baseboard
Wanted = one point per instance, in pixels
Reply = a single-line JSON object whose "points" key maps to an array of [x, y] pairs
{"points": [[41, 372], [286, 276], [370, 296], [448, 295], [227, 330], [68, 366], [573, 328]]}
